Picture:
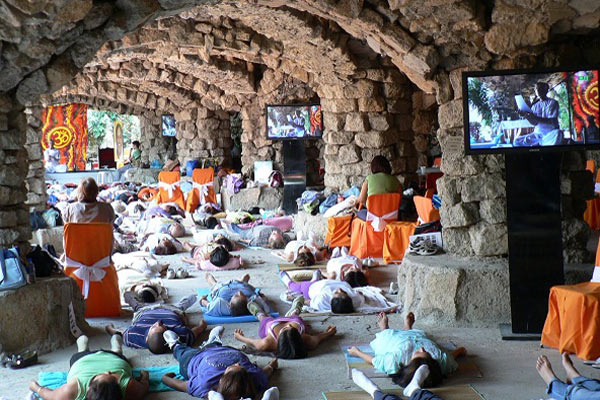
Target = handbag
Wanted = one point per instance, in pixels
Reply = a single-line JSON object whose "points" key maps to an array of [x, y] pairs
{"points": [[12, 273]]}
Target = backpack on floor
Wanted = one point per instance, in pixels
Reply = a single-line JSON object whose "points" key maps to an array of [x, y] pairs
{"points": [[12, 271]]}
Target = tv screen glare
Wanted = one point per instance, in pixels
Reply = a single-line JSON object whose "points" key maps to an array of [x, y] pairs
{"points": [[523, 111], [294, 122], [168, 125]]}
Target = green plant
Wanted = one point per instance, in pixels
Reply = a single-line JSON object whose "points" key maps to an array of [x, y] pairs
{"points": [[98, 122], [478, 98]]}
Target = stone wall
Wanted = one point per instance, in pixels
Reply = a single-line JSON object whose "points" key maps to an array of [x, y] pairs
{"points": [[36, 175], [424, 126], [153, 144]]}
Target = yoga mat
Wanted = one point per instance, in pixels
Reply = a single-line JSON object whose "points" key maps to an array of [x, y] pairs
{"points": [[213, 320], [53, 380], [459, 392], [293, 267]]}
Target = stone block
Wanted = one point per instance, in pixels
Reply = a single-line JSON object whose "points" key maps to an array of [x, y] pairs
{"points": [[356, 122], [399, 106], [493, 211], [380, 122], [450, 114], [449, 190], [333, 121], [375, 139], [338, 105], [482, 187], [459, 215], [349, 154], [317, 224], [371, 104], [339, 137], [267, 198], [489, 239], [363, 88], [336, 181], [142, 175], [457, 241]]}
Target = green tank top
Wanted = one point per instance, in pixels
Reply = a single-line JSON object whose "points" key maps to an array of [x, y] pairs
{"points": [[382, 183], [100, 362]]}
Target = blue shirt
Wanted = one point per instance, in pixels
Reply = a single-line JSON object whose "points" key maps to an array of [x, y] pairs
{"points": [[221, 294], [135, 335], [207, 367]]}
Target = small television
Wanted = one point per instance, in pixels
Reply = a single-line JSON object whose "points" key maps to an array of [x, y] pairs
{"points": [[290, 122], [168, 125], [530, 111]]}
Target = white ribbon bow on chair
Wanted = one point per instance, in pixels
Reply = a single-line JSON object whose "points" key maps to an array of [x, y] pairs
{"points": [[378, 223], [170, 187], [203, 190], [89, 273]]}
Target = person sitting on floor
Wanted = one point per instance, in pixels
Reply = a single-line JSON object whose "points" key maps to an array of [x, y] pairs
{"points": [[87, 209], [347, 268], [413, 391], [400, 352], [580, 388], [230, 298], [160, 244], [287, 336], [151, 321], [213, 366], [100, 374]]}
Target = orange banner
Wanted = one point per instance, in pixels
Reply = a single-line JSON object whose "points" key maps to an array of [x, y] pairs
{"points": [[67, 127]]}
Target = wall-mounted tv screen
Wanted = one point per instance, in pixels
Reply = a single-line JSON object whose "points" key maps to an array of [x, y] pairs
{"points": [[522, 111], [168, 125], [294, 121]]}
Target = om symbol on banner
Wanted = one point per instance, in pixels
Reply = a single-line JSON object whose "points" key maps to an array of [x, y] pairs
{"points": [[61, 135], [591, 96]]}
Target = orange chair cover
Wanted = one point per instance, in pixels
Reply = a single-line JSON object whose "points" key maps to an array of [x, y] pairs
{"points": [[201, 176], [163, 194], [395, 240], [88, 244], [592, 213], [365, 242], [338, 229], [590, 165], [147, 194], [425, 209]]}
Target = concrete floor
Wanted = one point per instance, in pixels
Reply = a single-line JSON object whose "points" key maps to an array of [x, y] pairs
{"points": [[508, 367]]}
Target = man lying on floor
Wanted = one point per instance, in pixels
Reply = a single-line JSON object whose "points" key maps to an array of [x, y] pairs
{"points": [[266, 236], [231, 298]]}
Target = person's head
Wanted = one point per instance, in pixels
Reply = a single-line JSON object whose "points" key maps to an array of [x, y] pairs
{"points": [[104, 387], [356, 279], [176, 230], [147, 294], [223, 241], [541, 89], [171, 210], [165, 248], [305, 258], [87, 190], [276, 240], [290, 344], [155, 340], [236, 383], [211, 222], [341, 303], [247, 219], [136, 144], [219, 256], [380, 164], [50, 144], [420, 357], [238, 305]]}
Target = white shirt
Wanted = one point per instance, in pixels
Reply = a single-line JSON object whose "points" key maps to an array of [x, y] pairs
{"points": [[336, 264], [321, 293]]}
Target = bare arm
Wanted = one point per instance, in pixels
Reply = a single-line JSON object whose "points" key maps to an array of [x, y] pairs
{"points": [[364, 356], [362, 197], [138, 389], [67, 391], [313, 341], [177, 384], [259, 344]]}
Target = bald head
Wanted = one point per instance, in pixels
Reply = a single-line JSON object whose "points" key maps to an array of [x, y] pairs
{"points": [[87, 190]]}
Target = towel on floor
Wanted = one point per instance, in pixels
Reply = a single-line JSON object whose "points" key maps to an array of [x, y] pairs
{"points": [[212, 320]]}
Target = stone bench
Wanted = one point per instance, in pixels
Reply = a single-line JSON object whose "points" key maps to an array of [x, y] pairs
{"points": [[317, 224], [36, 316], [265, 197], [444, 290]]}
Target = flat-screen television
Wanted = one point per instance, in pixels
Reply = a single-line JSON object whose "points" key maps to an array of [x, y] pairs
{"points": [[294, 122], [525, 111], [168, 125]]}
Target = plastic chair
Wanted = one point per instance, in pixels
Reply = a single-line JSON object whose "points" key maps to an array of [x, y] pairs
{"points": [[87, 249], [425, 210], [203, 190], [338, 229], [367, 236], [168, 188]]}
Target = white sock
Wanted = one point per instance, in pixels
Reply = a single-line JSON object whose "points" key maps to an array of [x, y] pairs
{"points": [[215, 334], [116, 344], [271, 394], [363, 382], [418, 378]]}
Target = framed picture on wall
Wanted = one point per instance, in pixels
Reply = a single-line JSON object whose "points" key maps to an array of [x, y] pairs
{"points": [[168, 125]]}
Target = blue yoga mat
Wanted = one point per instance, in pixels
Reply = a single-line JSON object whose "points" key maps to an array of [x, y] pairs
{"points": [[54, 380], [213, 320]]}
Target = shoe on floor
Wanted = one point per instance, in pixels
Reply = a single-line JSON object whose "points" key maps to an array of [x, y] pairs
{"points": [[182, 273], [170, 273], [296, 307], [215, 333], [171, 338]]}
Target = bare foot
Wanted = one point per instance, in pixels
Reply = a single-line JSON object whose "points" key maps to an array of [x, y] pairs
{"points": [[569, 367], [545, 369], [246, 278], [111, 330], [382, 321], [409, 321]]}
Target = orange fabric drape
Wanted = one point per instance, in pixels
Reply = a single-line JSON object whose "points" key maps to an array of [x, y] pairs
{"points": [[590, 165], [365, 242], [338, 229], [396, 240], [88, 244], [163, 194], [592, 213], [201, 176], [425, 209]]}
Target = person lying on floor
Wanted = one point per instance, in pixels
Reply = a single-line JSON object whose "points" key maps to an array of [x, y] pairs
{"points": [[400, 352], [230, 298], [142, 262], [151, 321], [347, 268], [213, 366], [160, 244], [161, 225], [260, 236], [580, 388], [413, 391], [284, 223], [168, 210], [287, 336], [100, 374], [147, 291], [300, 251], [213, 256]]}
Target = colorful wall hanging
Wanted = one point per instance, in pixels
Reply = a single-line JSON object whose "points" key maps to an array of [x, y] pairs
{"points": [[67, 127]]}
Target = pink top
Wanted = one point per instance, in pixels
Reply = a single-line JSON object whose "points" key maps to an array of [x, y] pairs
{"points": [[285, 223], [206, 265]]}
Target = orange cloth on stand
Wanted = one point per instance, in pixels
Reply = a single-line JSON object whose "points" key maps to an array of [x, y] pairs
{"points": [[365, 240], [201, 176], [592, 213], [163, 194], [425, 209], [88, 244], [395, 240], [338, 230]]}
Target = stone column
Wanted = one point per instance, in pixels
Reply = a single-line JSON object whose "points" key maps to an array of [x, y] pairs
{"points": [[36, 176], [154, 145]]}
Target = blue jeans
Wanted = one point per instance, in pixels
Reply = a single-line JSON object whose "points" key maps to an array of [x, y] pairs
{"points": [[581, 388]]}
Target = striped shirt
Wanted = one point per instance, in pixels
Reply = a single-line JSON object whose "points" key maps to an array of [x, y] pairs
{"points": [[135, 335]]}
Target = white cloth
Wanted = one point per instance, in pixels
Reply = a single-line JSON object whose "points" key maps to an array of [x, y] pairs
{"points": [[336, 264], [203, 190], [347, 204], [596, 275], [170, 187], [154, 239], [52, 159], [141, 261], [379, 222], [294, 246], [88, 273], [365, 299], [131, 208]]}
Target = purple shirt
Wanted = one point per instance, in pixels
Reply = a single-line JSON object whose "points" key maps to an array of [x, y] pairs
{"points": [[135, 335]]}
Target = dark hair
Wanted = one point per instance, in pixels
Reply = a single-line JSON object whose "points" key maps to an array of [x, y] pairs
{"points": [[356, 279], [103, 390], [305, 259], [139, 208], [147, 296], [172, 210], [211, 222], [246, 219], [136, 143], [223, 241], [406, 373], [543, 86], [342, 305], [238, 307], [157, 343], [219, 256], [380, 164], [237, 384], [290, 345], [165, 249]]}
